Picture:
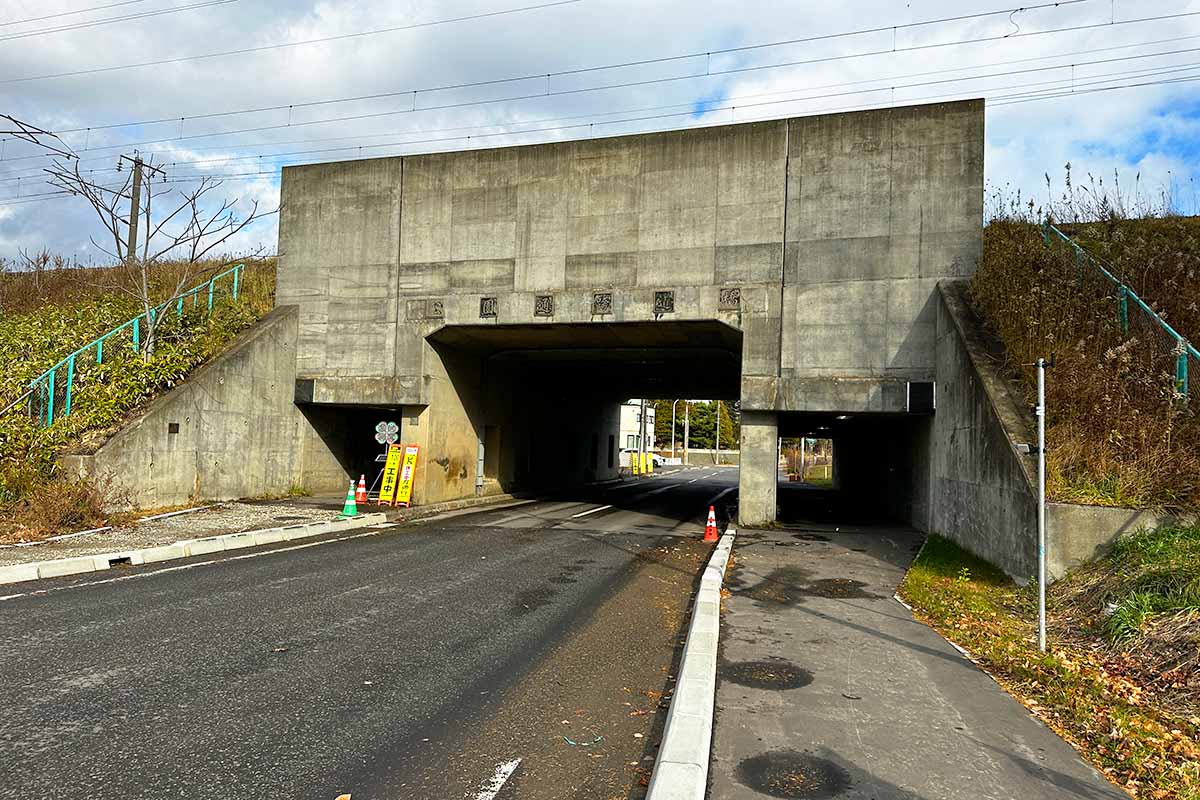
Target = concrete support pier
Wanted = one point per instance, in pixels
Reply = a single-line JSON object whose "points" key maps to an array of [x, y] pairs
{"points": [[757, 486]]}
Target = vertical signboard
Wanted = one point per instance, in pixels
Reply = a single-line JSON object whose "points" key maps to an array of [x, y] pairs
{"points": [[391, 474], [408, 470]]}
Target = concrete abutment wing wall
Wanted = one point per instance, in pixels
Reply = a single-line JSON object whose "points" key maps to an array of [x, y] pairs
{"points": [[230, 431]]}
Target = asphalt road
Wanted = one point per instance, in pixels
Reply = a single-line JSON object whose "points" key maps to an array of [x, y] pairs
{"points": [[522, 652]]}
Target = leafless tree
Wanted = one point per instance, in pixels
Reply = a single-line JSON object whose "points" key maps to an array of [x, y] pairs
{"points": [[191, 227]]}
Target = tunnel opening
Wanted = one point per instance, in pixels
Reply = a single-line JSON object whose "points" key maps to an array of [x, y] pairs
{"points": [[544, 401], [348, 434], [878, 469]]}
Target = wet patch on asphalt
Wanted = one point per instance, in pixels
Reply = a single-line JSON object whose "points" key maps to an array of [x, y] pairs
{"points": [[776, 674], [789, 586], [839, 588], [531, 600], [788, 773]]}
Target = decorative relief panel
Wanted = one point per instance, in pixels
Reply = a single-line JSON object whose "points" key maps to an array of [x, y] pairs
{"points": [[664, 302]]}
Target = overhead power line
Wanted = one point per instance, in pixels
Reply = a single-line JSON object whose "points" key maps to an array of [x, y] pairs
{"points": [[70, 13], [74, 26], [547, 76], [531, 95], [687, 104], [1002, 100], [1011, 94], [301, 43], [888, 83]]}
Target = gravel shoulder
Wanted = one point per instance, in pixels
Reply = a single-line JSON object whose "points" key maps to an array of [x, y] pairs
{"points": [[222, 518]]}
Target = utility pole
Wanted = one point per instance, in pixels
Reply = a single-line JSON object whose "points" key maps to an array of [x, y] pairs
{"points": [[802, 441], [135, 201]]}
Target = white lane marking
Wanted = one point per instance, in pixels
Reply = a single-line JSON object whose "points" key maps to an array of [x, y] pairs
{"points": [[693, 480], [593, 511], [190, 566], [494, 784]]}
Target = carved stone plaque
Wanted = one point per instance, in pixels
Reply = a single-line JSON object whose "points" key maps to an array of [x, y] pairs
{"points": [[543, 305], [602, 303], [488, 307], [730, 299]]}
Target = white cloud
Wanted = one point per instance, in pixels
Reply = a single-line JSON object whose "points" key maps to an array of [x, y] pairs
{"points": [[1137, 129]]}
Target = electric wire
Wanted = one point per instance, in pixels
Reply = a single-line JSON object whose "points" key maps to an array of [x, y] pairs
{"points": [[282, 45], [491, 101], [687, 104], [74, 26], [997, 100], [70, 13], [889, 83]]}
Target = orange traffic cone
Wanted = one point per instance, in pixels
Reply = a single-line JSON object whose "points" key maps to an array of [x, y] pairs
{"points": [[360, 496], [710, 529]]}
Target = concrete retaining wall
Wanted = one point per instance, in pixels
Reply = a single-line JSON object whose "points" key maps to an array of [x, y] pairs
{"points": [[230, 431], [982, 488], [1078, 533], [985, 491]]}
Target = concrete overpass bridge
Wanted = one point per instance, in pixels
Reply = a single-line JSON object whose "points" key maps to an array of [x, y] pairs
{"points": [[499, 304], [507, 299]]}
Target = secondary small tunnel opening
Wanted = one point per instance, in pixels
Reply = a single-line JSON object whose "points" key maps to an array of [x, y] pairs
{"points": [[878, 467]]}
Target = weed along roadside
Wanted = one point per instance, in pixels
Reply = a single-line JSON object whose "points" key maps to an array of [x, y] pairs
{"points": [[1121, 678]]}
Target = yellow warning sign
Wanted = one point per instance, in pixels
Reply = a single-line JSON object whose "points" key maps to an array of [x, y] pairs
{"points": [[391, 472], [407, 472]]}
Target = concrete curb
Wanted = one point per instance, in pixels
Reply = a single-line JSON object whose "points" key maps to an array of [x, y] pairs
{"points": [[681, 771], [17, 573]]}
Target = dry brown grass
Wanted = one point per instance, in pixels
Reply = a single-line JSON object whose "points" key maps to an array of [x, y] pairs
{"points": [[1118, 433]]}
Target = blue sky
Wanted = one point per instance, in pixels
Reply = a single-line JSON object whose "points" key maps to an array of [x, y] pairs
{"points": [[1153, 128]]}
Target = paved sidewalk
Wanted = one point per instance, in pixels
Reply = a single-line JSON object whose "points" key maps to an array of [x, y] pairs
{"points": [[827, 687]]}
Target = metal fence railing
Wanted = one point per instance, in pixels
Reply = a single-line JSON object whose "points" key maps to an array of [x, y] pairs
{"points": [[50, 395], [1179, 356]]}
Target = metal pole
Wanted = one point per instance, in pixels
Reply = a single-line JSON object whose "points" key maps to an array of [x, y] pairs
{"points": [[687, 429], [642, 437], [802, 459], [718, 436], [673, 429], [1041, 553]]}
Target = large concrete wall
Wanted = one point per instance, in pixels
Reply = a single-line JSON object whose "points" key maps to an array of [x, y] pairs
{"points": [[983, 490], [230, 431], [819, 240]]}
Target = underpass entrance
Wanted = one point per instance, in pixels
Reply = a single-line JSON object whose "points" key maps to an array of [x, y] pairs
{"points": [[545, 399]]}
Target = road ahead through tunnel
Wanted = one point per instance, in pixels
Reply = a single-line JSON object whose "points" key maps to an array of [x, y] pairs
{"points": [[406, 664]]}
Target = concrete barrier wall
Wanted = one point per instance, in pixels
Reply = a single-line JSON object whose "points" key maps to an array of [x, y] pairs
{"points": [[982, 491], [230, 431], [1076, 534]]}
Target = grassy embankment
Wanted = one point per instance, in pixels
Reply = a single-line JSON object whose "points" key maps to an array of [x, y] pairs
{"points": [[1122, 679], [1118, 435], [44, 317]]}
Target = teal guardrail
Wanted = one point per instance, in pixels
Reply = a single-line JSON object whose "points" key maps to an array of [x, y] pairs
{"points": [[45, 387], [1187, 357]]}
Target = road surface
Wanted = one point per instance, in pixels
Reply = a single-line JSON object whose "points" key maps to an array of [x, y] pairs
{"points": [[521, 652]]}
